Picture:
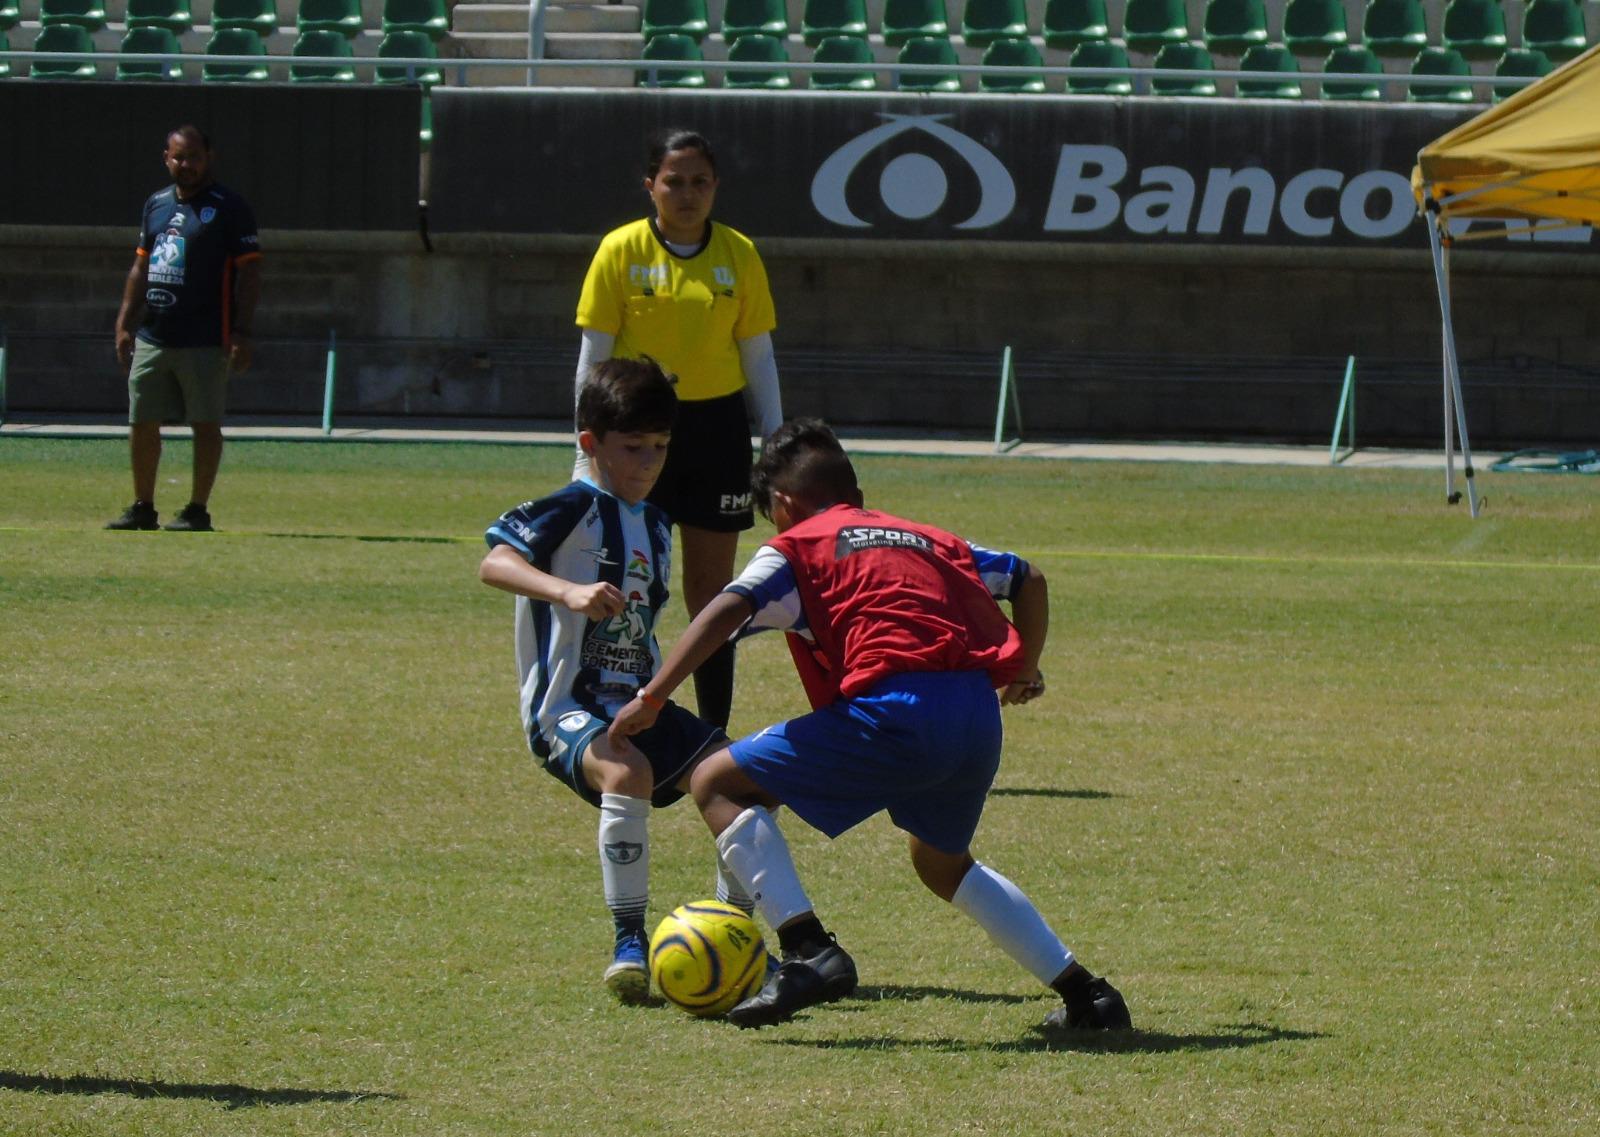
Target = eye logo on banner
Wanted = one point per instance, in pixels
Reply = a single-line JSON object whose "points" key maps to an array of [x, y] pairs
{"points": [[913, 186]]}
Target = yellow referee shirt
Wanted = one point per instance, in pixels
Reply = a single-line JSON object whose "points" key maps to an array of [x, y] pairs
{"points": [[686, 313]]}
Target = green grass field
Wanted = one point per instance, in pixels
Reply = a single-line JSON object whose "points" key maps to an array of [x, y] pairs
{"points": [[1316, 783]]}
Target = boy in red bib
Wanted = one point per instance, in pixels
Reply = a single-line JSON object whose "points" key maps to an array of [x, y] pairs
{"points": [[901, 646]]}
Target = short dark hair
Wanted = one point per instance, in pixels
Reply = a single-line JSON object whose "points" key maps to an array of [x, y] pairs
{"points": [[803, 458], [672, 140], [190, 130], [630, 395]]}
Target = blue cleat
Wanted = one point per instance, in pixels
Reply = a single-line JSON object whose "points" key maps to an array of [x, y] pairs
{"points": [[628, 977]]}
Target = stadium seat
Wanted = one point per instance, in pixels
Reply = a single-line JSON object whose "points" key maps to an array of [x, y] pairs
{"points": [[823, 18], [69, 40], [758, 49], [1554, 27], [1184, 57], [1352, 59], [1440, 61], [235, 41], [675, 17], [1149, 25], [929, 50], [754, 18], [342, 16], [1234, 26], [259, 16], [1475, 28], [1315, 27], [5, 45], [984, 22], [429, 17], [322, 42], [670, 47], [843, 49], [89, 14], [1395, 28], [1013, 61], [1068, 23], [150, 41], [1522, 63], [10, 15], [1099, 53], [1274, 59], [907, 19], [412, 45], [174, 15]]}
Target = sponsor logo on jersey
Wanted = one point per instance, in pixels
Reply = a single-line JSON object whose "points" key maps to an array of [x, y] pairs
{"points": [[647, 276], [167, 259], [600, 555], [734, 503], [854, 538], [621, 643], [639, 566], [574, 721], [159, 298], [207, 214], [723, 275]]}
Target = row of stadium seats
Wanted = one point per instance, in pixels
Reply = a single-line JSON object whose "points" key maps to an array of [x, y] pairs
{"points": [[430, 17], [1390, 28], [1013, 61]]}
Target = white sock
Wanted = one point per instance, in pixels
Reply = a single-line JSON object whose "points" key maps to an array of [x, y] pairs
{"points": [[730, 891], [755, 852], [1013, 923], [625, 858]]}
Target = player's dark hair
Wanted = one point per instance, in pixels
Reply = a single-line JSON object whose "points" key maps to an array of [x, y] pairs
{"points": [[803, 458], [670, 141], [191, 131], [630, 395]]}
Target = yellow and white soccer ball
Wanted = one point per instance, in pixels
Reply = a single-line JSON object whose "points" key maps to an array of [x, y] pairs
{"points": [[706, 957]]}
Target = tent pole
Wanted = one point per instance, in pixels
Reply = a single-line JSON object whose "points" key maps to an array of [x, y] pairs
{"points": [[1455, 412]]}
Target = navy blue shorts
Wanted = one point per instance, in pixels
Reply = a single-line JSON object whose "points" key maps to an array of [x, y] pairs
{"points": [[675, 743], [923, 745]]}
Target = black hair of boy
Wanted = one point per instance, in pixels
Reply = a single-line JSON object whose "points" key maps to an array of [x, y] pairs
{"points": [[803, 458], [633, 396]]}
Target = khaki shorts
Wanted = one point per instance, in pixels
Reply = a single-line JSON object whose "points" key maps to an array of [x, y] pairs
{"points": [[177, 384]]}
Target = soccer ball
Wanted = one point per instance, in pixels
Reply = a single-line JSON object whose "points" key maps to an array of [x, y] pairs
{"points": [[706, 957]]}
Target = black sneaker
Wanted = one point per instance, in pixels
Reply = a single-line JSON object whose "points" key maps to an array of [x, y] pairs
{"points": [[1106, 1011], [193, 519], [139, 515], [799, 982]]}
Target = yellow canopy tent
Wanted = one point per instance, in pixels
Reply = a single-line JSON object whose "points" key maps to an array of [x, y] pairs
{"points": [[1534, 158]]}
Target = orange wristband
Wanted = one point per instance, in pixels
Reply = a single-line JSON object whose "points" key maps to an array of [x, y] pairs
{"points": [[651, 701]]}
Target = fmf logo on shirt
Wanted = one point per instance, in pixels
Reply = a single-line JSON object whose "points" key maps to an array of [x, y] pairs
{"points": [[854, 538], [647, 276]]}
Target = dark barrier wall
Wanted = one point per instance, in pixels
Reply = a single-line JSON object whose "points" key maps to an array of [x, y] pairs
{"points": [[898, 167], [305, 158]]}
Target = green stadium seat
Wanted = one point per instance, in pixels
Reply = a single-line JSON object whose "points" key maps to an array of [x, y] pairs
{"points": [[1475, 28], [259, 16], [1013, 61], [823, 18], [10, 15], [755, 18], [843, 49], [69, 40], [342, 16], [425, 121], [984, 22], [1099, 53], [150, 41], [1521, 63], [1068, 23], [235, 41], [89, 14], [1554, 27], [930, 51], [1315, 27], [430, 17], [1149, 25], [5, 45], [1440, 61], [671, 48], [675, 17], [1234, 26], [323, 43], [1184, 57], [174, 15], [758, 49], [1271, 59], [907, 19], [1352, 59], [411, 45], [1395, 28]]}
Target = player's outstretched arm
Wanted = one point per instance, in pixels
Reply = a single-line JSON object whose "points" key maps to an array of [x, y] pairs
{"points": [[504, 568], [713, 627], [1030, 612]]}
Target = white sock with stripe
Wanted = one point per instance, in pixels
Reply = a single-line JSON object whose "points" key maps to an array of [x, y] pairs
{"points": [[625, 858], [1012, 922]]}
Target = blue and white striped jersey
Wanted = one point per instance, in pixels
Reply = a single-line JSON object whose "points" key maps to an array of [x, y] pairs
{"points": [[567, 662]]}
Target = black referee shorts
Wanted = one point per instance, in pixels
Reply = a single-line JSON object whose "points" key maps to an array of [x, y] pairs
{"points": [[706, 479]]}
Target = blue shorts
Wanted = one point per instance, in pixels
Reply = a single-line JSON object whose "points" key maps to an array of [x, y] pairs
{"points": [[675, 743], [923, 745]]}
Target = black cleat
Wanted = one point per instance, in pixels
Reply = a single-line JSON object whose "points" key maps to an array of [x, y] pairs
{"points": [[139, 515], [798, 983], [1106, 1011], [193, 519]]}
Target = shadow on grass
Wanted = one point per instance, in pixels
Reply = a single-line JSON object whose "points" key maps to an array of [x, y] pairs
{"points": [[378, 538], [1231, 1037], [232, 1096], [913, 994], [1041, 791]]}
